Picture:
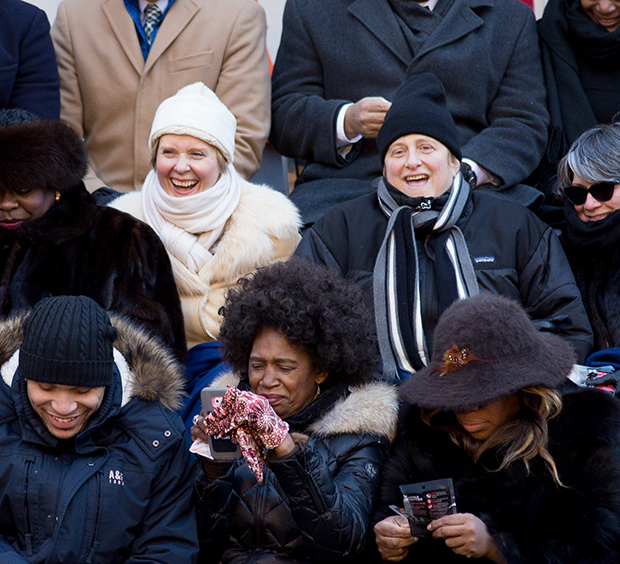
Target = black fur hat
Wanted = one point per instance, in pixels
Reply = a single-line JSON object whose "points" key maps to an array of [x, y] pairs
{"points": [[41, 154], [486, 348]]}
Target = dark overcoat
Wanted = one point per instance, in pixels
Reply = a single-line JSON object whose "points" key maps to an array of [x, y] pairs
{"points": [[28, 72], [333, 52]]}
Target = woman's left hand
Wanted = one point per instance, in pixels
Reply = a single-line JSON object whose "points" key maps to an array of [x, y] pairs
{"points": [[248, 411], [466, 535]]}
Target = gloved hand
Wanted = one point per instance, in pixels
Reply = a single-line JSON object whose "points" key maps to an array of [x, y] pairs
{"points": [[251, 421]]}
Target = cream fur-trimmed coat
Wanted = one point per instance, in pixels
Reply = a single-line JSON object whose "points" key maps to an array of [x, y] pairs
{"points": [[264, 228]]}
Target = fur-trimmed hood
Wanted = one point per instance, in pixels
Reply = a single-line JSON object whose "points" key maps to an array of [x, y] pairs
{"points": [[368, 409], [262, 216], [147, 369], [41, 154]]}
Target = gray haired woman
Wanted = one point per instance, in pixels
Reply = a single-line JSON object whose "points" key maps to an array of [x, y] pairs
{"points": [[590, 176]]}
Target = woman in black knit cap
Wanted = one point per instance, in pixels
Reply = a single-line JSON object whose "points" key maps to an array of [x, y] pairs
{"points": [[535, 463], [424, 238]]}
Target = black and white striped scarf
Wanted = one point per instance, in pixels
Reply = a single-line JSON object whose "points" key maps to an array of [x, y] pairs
{"points": [[396, 282]]}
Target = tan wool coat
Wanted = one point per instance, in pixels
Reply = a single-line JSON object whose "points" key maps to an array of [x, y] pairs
{"points": [[262, 229], [109, 94]]}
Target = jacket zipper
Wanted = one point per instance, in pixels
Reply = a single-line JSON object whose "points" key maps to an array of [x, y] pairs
{"points": [[29, 551], [312, 487], [259, 510], [94, 544]]}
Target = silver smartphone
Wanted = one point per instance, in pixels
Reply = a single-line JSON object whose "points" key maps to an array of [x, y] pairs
{"points": [[221, 449]]}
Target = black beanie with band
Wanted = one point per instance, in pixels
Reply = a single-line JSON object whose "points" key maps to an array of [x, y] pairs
{"points": [[419, 107], [68, 340]]}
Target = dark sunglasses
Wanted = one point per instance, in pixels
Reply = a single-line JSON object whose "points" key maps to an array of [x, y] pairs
{"points": [[601, 191]]}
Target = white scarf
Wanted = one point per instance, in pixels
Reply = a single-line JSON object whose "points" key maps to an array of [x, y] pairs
{"points": [[190, 225]]}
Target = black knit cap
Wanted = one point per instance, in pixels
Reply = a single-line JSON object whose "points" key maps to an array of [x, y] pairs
{"points": [[67, 340], [419, 107], [486, 348]]}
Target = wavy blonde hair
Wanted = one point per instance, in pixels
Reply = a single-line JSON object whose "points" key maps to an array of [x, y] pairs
{"points": [[523, 438]]}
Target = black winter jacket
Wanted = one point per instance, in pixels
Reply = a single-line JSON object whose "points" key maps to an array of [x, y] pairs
{"points": [[313, 506], [78, 248], [531, 519], [121, 491], [514, 254]]}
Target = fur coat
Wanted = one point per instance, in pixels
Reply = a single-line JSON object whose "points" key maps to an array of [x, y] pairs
{"points": [[314, 505], [122, 489], [262, 229], [78, 248], [531, 518]]}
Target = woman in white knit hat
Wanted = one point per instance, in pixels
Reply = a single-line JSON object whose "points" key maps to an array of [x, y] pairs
{"points": [[215, 225]]}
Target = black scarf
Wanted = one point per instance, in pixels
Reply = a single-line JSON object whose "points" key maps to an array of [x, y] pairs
{"points": [[589, 38], [396, 277], [593, 250], [566, 31], [593, 237], [569, 107]]}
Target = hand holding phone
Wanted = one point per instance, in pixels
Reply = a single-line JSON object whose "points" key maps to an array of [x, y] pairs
{"points": [[222, 448]]}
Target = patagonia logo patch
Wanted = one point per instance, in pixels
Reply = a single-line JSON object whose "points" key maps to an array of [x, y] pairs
{"points": [[484, 259]]}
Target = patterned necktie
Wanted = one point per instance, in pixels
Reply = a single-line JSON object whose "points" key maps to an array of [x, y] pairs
{"points": [[152, 14]]}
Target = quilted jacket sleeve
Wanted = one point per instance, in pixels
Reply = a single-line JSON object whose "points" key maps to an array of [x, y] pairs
{"points": [[332, 510]]}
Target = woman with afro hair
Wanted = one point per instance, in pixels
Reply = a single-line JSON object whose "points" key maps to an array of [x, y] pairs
{"points": [[312, 421]]}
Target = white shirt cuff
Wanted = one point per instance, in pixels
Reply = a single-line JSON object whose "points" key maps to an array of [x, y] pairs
{"points": [[482, 176], [341, 138]]}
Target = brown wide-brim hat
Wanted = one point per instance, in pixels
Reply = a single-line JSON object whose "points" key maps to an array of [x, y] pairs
{"points": [[486, 348]]}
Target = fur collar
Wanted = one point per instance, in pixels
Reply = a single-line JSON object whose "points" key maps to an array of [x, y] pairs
{"points": [[368, 409], [147, 369], [70, 217], [246, 243]]}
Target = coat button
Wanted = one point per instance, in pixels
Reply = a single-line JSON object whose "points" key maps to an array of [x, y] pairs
{"points": [[155, 444], [167, 433], [91, 464]]}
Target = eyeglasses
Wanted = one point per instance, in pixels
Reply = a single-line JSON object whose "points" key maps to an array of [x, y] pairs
{"points": [[601, 191]]}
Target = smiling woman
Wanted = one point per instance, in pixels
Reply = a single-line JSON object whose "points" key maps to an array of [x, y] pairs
{"points": [[425, 238], [590, 174], [215, 225], [186, 165]]}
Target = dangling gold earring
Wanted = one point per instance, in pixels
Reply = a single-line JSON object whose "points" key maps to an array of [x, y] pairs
{"points": [[57, 196], [318, 389]]}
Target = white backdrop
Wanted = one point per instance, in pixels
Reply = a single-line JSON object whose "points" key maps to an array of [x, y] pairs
{"points": [[273, 9]]}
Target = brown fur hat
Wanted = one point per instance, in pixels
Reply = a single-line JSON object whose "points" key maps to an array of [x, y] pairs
{"points": [[41, 154], [486, 348]]}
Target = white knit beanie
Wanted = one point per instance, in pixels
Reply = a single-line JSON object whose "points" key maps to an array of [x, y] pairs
{"points": [[196, 110]]}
